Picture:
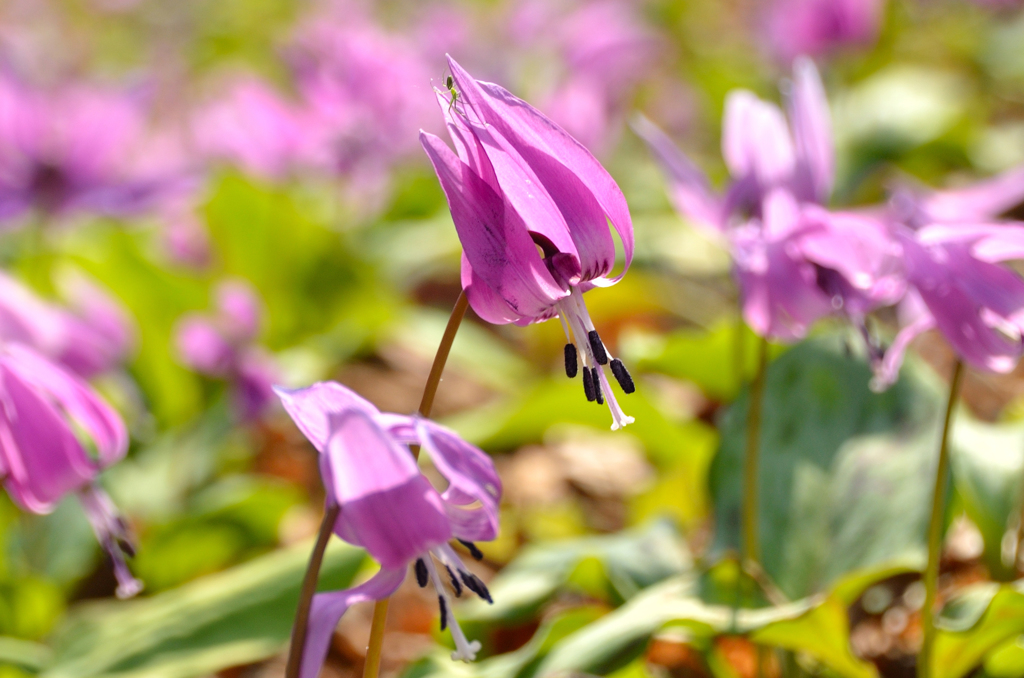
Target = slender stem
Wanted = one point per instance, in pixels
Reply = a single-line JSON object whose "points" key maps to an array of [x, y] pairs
{"points": [[739, 351], [931, 573], [380, 611], [308, 589], [750, 461]]}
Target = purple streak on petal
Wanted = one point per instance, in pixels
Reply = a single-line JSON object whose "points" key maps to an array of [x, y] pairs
{"points": [[494, 237], [688, 186], [311, 407], [328, 608], [75, 399], [202, 347], [470, 474], [812, 130], [543, 144], [387, 505], [487, 303]]}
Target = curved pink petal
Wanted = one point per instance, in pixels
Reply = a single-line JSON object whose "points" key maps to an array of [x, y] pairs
{"points": [[74, 398], [311, 407], [572, 175], [387, 505], [688, 186], [495, 239], [43, 458], [487, 303], [979, 201], [756, 140], [471, 478], [328, 608], [812, 130]]}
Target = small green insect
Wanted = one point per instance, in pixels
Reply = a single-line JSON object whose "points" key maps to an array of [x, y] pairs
{"points": [[449, 82]]}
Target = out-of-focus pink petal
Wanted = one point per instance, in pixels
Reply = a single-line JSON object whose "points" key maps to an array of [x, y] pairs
{"points": [[688, 186], [240, 308], [387, 505], [254, 384], [75, 399], [818, 27], [100, 332], [978, 202], [202, 347], [887, 372], [570, 169], [311, 407], [471, 478], [812, 130], [329, 607], [494, 237], [756, 140]]}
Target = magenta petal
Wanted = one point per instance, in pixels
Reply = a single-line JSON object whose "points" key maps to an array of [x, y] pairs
{"points": [[387, 505], [75, 399], [487, 303], [328, 608], [202, 347], [240, 308], [493, 236], [310, 408], [812, 129], [756, 140], [979, 201], [554, 153], [471, 478], [688, 187], [43, 458]]}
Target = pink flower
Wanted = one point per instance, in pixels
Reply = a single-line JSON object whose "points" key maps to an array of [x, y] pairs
{"points": [[45, 414], [531, 206], [389, 508], [820, 27]]}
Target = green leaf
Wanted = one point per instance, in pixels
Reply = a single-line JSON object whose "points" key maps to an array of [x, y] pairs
{"points": [[836, 461], [974, 624], [24, 653], [234, 617]]}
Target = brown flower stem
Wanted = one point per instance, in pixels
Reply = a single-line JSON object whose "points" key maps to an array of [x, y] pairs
{"points": [[308, 589], [750, 460], [931, 572]]}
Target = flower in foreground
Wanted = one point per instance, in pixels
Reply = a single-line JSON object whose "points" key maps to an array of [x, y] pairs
{"points": [[531, 206], [959, 285], [222, 345], [56, 435], [389, 508]]}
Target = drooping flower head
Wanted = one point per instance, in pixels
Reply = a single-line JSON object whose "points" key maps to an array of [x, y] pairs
{"points": [[56, 435], [75, 149], [223, 345], [389, 508], [531, 206], [794, 260], [959, 285]]}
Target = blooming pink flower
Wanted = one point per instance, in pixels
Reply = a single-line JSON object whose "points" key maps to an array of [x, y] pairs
{"points": [[45, 413], [222, 345], [977, 202], [959, 287], [819, 27], [77, 149], [531, 207], [389, 508]]}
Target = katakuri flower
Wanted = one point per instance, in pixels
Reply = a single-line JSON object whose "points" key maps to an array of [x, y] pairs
{"points": [[389, 508], [222, 345], [56, 435], [959, 285], [760, 150], [820, 27], [531, 206], [981, 201]]}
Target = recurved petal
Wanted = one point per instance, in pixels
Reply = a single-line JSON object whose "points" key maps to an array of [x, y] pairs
{"points": [[73, 398], [688, 186], [543, 144], [888, 371], [311, 407], [756, 141], [979, 201], [328, 608], [494, 238], [812, 129], [471, 478], [387, 505], [43, 459]]}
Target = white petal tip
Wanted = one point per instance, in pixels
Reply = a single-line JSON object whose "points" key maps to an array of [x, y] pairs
{"points": [[468, 653]]}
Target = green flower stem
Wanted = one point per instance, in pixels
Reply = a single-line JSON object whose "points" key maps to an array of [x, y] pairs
{"points": [[380, 611], [750, 548], [931, 573]]}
